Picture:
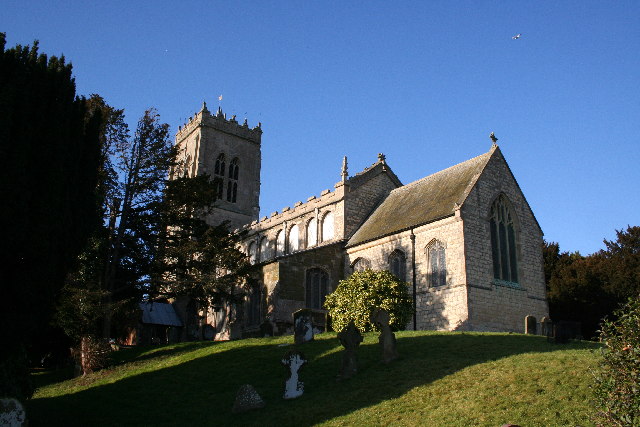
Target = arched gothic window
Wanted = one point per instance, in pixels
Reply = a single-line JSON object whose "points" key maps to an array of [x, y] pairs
{"points": [[317, 286], [220, 165], [253, 253], [312, 233], [218, 175], [437, 264], [327, 227], [361, 264], [232, 185], [264, 249], [503, 241], [294, 239], [397, 264], [253, 306], [280, 243]]}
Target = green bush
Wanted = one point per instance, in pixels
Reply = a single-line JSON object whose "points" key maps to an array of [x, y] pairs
{"points": [[357, 296], [617, 388]]}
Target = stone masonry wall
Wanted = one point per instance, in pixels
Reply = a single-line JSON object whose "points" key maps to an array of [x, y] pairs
{"points": [[439, 308], [494, 307], [360, 201]]}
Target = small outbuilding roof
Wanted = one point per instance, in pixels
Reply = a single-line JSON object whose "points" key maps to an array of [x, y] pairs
{"points": [[426, 200], [158, 313]]}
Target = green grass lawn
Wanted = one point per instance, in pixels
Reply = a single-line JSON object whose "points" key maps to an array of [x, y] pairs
{"points": [[442, 379]]}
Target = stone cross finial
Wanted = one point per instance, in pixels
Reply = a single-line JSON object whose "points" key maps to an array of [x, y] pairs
{"points": [[344, 173], [381, 157], [494, 139]]}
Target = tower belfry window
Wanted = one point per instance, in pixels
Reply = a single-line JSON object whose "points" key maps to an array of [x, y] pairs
{"points": [[232, 185], [218, 173]]}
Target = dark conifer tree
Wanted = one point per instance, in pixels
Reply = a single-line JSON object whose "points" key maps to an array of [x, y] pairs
{"points": [[50, 150]]}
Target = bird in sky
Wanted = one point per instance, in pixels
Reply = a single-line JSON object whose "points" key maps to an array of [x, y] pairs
{"points": [[517, 36]]}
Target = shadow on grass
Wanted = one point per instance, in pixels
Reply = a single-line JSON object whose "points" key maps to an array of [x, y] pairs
{"points": [[201, 391]]}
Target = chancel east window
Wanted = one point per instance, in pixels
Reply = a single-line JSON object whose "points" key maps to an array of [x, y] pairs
{"points": [[397, 264], [503, 241], [437, 264], [316, 287]]}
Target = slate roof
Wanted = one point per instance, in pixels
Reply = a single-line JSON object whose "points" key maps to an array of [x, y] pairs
{"points": [[158, 313], [426, 200]]}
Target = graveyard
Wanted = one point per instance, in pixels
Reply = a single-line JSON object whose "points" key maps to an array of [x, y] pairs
{"points": [[437, 378]]}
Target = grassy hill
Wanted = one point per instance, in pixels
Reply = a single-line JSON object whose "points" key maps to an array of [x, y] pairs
{"points": [[442, 379]]}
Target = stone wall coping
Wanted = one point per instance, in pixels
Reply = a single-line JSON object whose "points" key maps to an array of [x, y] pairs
{"points": [[327, 197]]}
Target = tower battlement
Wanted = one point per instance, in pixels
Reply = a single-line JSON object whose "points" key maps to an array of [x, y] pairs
{"points": [[219, 121]]}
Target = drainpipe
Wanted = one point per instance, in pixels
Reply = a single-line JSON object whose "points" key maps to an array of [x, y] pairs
{"points": [[413, 275]]}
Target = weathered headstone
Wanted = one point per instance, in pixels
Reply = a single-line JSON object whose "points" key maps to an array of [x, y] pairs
{"points": [[530, 325], [12, 413], [302, 326], [387, 339], [293, 361], [565, 330], [247, 399], [350, 338], [266, 328], [546, 326]]}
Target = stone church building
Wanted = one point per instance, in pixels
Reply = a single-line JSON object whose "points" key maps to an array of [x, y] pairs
{"points": [[464, 239]]}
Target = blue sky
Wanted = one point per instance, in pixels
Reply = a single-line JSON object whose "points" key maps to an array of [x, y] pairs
{"points": [[423, 82]]}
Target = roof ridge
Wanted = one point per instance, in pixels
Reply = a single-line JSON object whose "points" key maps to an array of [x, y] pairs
{"points": [[426, 178]]}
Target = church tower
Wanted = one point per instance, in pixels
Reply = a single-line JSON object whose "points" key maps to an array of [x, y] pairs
{"points": [[230, 153]]}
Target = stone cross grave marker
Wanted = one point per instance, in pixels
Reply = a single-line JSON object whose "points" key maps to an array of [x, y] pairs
{"points": [[387, 339], [350, 338], [302, 326], [293, 361]]}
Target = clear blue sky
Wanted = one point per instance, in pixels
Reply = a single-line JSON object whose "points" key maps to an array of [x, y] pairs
{"points": [[423, 82]]}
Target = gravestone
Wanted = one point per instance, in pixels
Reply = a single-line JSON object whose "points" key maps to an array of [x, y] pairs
{"points": [[302, 326], [293, 361], [350, 338], [247, 399], [266, 328], [546, 327], [12, 413], [387, 339], [530, 325], [565, 330]]}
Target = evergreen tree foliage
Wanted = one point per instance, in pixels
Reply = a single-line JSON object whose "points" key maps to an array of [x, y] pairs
{"points": [[589, 288], [195, 259], [617, 387], [356, 297], [50, 149]]}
